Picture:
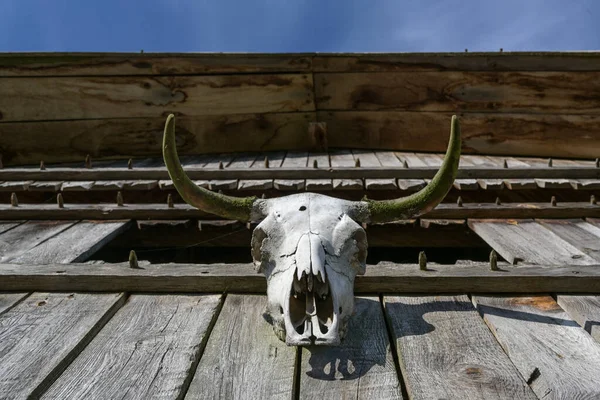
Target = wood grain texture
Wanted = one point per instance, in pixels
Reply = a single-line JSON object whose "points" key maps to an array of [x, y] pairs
{"points": [[556, 356], [104, 211], [243, 357], [149, 349], [361, 368], [295, 160], [9, 300], [453, 90], [128, 137], [368, 158], [585, 310], [580, 234], [42, 335], [275, 160], [344, 158], [124, 97], [544, 135], [322, 160], [8, 225], [25, 237], [75, 244], [462, 358], [242, 278], [111, 64], [530, 242]]}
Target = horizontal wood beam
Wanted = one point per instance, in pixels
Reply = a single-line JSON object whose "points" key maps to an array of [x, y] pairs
{"points": [[216, 278], [185, 211], [84, 174]]}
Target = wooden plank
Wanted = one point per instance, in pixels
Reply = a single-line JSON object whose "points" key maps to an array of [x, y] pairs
{"points": [[111, 64], [368, 158], [242, 278], [141, 137], [558, 358], [520, 184], [580, 234], [44, 333], [435, 160], [108, 185], [462, 360], [529, 242], [292, 160], [9, 300], [125, 97], [149, 347], [75, 244], [366, 369], [141, 184], [275, 160], [243, 358], [45, 186], [322, 160], [553, 183], [344, 158], [585, 310], [104, 211], [506, 134], [238, 162], [8, 225], [343, 170], [491, 184], [459, 61], [15, 186], [451, 90], [25, 237], [77, 186]]}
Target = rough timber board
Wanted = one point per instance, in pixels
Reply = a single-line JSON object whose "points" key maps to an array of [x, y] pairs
{"points": [[556, 356], [26, 99], [25, 237], [9, 300], [361, 368], [146, 351], [446, 351], [529, 242], [580, 234], [242, 278], [8, 225], [75, 244], [585, 310], [44, 333], [243, 358]]}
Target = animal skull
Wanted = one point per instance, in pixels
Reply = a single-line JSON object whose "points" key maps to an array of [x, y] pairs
{"points": [[309, 246]]}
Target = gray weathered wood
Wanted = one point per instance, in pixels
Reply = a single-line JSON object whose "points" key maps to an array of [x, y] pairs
{"points": [[368, 158], [555, 356], [322, 160], [146, 351], [585, 310], [42, 335], [275, 160], [528, 241], [383, 277], [45, 186], [8, 225], [292, 159], [580, 234], [8, 300], [520, 184], [390, 159], [77, 186], [25, 237], [344, 158], [243, 357], [446, 351], [75, 244], [15, 186], [361, 368]]}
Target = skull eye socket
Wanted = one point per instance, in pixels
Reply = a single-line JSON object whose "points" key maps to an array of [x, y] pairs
{"points": [[303, 208]]}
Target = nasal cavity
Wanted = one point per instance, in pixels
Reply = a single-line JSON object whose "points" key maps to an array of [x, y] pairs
{"points": [[303, 208]]}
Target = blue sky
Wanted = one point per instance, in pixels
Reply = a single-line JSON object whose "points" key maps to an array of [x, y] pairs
{"points": [[299, 26]]}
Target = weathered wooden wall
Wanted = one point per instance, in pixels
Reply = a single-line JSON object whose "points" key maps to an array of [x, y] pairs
{"points": [[61, 107]]}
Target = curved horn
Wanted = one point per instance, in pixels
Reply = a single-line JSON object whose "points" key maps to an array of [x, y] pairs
{"points": [[229, 207], [428, 197]]}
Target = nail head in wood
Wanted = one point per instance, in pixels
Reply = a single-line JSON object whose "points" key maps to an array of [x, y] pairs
{"points": [[130, 164], [550, 162], [505, 165], [59, 201], [553, 201], [597, 162], [119, 199], [493, 260], [266, 162], [405, 164], [14, 201], [315, 164], [459, 201], [592, 199], [170, 201], [498, 202], [88, 161], [422, 261], [357, 163], [133, 260], [42, 165], [220, 164]]}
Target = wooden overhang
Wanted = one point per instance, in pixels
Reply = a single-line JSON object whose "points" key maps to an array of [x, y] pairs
{"points": [[82, 183]]}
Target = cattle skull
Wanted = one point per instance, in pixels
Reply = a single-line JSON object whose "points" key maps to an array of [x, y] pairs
{"points": [[309, 246]]}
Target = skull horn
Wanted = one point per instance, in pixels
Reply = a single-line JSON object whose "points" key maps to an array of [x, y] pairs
{"points": [[237, 208], [427, 198]]}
